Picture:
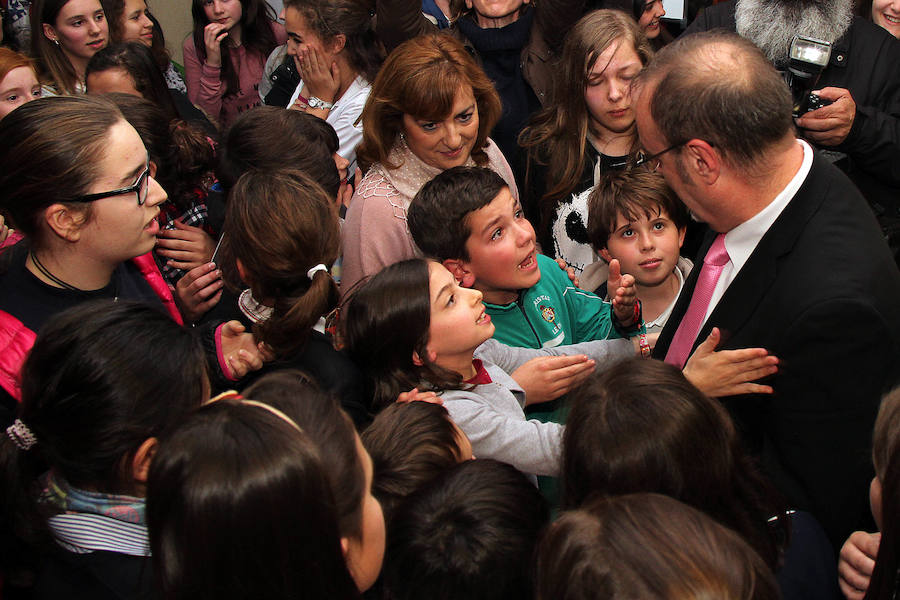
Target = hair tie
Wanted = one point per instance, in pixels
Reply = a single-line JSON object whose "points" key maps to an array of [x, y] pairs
{"points": [[312, 272], [21, 436]]}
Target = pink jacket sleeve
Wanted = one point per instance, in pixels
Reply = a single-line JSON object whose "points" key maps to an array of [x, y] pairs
{"points": [[204, 87]]}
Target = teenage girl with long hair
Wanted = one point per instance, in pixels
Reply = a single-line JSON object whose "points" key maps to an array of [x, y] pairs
{"points": [[225, 55], [585, 130], [281, 237], [65, 34], [239, 505], [103, 382]]}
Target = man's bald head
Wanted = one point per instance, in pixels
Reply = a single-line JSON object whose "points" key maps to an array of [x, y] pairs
{"points": [[720, 88]]}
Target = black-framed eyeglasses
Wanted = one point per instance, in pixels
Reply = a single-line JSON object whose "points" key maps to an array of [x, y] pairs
{"points": [[651, 161], [140, 188]]}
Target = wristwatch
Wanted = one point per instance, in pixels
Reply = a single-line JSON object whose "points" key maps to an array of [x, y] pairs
{"points": [[314, 102]]}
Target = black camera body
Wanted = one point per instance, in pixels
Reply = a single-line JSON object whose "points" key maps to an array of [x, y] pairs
{"points": [[808, 102]]}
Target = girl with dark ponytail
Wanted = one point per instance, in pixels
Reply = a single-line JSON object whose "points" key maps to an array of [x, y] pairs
{"points": [[281, 237]]}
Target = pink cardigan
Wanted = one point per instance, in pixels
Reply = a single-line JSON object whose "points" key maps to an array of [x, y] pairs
{"points": [[206, 90]]}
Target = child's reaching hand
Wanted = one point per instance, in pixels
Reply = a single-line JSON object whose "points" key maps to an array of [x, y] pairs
{"points": [[623, 293], [729, 372]]}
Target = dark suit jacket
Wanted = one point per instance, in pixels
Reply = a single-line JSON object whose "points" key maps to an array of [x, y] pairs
{"points": [[822, 293]]}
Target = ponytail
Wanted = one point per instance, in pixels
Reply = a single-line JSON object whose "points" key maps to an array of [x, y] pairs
{"points": [[283, 228]]}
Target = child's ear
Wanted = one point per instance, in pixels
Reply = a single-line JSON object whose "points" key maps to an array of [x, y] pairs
{"points": [[417, 359], [140, 464], [681, 232], [605, 255], [243, 273], [460, 270]]}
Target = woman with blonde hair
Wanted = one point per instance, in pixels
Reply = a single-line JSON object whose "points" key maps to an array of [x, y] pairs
{"points": [[586, 130], [431, 108]]}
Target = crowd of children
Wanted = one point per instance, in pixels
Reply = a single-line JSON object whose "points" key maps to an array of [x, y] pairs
{"points": [[346, 345]]}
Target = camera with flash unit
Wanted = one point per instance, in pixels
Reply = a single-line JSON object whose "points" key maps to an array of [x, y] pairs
{"points": [[808, 58]]}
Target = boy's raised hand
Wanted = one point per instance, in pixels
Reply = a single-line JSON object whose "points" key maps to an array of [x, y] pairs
{"points": [[623, 293]]}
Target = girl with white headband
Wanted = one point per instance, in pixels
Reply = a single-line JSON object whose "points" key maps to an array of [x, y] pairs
{"points": [[281, 236]]}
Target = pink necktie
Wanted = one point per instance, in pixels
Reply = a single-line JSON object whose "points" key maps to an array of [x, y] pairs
{"points": [[680, 348]]}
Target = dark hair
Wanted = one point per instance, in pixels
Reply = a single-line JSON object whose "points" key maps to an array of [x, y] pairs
{"points": [[411, 444], [469, 535], [158, 45], [50, 154], [183, 155], [280, 224], [256, 36], [438, 215], [238, 506], [738, 101], [640, 426], [630, 193], [353, 20], [885, 455], [557, 136], [386, 320], [330, 429], [101, 378], [137, 61], [647, 546], [304, 142], [421, 77]]}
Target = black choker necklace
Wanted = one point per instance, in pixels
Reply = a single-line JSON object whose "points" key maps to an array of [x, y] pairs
{"points": [[59, 282]]}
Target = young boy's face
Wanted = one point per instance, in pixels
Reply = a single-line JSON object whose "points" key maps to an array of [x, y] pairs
{"points": [[647, 248], [502, 249]]}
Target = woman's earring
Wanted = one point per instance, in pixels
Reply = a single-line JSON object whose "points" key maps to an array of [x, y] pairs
{"points": [[56, 42]]}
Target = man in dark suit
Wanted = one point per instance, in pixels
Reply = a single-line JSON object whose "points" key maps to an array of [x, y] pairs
{"points": [[798, 267]]}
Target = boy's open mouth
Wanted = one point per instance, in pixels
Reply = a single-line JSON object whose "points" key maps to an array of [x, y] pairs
{"points": [[529, 263], [483, 318]]}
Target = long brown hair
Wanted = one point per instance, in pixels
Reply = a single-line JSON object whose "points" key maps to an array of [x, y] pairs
{"points": [[386, 320], [640, 426], [54, 66], [256, 36], [421, 77], [280, 224], [647, 546], [557, 135]]}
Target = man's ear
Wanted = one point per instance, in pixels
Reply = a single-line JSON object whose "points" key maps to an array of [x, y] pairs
{"points": [[64, 222], [140, 464], [604, 253], [702, 159], [460, 270]]}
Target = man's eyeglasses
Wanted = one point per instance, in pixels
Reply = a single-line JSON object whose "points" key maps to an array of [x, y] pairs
{"points": [[651, 161], [140, 188]]}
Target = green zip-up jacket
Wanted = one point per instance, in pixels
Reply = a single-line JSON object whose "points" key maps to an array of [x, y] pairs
{"points": [[553, 312]]}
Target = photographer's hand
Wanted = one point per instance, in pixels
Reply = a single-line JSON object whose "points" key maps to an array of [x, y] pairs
{"points": [[829, 125]]}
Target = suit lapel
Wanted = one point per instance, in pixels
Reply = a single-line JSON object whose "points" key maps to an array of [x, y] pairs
{"points": [[757, 275]]}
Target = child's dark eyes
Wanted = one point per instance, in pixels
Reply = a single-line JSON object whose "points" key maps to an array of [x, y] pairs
{"points": [[628, 233], [497, 233]]}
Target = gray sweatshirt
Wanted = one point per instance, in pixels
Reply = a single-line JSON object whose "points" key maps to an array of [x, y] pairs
{"points": [[492, 415]]}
